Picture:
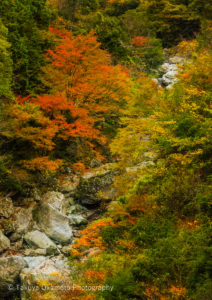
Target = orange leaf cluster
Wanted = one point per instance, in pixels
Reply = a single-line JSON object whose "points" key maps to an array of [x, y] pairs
{"points": [[91, 237], [81, 72], [43, 164], [93, 276], [139, 41]]}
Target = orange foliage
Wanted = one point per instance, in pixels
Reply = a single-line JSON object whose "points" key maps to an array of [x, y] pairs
{"points": [[153, 293], [174, 292], [90, 237], [55, 108], [78, 168], [28, 123], [139, 41], [43, 164], [81, 72], [84, 88], [177, 292], [93, 276]]}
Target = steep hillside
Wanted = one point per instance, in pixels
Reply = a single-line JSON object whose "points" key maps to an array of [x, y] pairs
{"points": [[105, 149]]}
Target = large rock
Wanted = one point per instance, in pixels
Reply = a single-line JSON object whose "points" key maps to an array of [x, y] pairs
{"points": [[50, 278], [23, 219], [6, 207], [95, 186], [77, 220], [166, 67], [169, 77], [56, 199], [19, 223], [40, 240], [34, 252], [68, 185], [4, 242], [66, 250], [7, 225], [177, 60], [10, 268], [53, 223], [77, 209]]}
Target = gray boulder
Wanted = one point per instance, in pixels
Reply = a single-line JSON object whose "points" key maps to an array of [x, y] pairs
{"points": [[35, 252], [4, 242], [177, 60], [66, 250], [95, 186], [169, 77], [77, 209], [56, 199], [53, 223], [23, 219], [6, 207], [40, 240], [169, 71], [7, 225], [45, 275], [166, 67], [77, 220], [10, 268], [15, 237], [68, 185]]}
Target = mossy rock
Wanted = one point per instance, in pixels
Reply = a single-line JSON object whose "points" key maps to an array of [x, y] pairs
{"points": [[93, 190]]}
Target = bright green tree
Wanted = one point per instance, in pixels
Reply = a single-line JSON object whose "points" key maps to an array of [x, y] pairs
{"points": [[26, 20], [5, 64]]}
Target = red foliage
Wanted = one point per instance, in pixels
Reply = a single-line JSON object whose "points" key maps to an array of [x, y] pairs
{"points": [[83, 89], [139, 41]]}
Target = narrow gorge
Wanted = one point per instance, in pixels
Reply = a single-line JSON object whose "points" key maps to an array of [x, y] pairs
{"points": [[105, 150]]}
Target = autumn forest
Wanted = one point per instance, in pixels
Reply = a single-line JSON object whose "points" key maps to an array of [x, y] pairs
{"points": [[105, 149]]}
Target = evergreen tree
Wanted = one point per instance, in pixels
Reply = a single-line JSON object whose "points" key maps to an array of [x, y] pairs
{"points": [[25, 20], [5, 64]]}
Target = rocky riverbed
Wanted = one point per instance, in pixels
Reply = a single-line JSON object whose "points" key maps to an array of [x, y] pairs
{"points": [[35, 239], [169, 70]]}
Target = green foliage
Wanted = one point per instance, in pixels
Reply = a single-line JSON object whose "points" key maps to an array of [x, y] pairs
{"points": [[170, 20], [149, 56], [156, 241], [179, 255], [113, 37], [5, 64], [149, 229], [124, 287], [117, 8], [110, 235], [162, 223], [203, 9], [26, 21], [8, 181]]}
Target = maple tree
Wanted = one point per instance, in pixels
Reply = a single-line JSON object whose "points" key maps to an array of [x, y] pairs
{"points": [[84, 90], [82, 72]]}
